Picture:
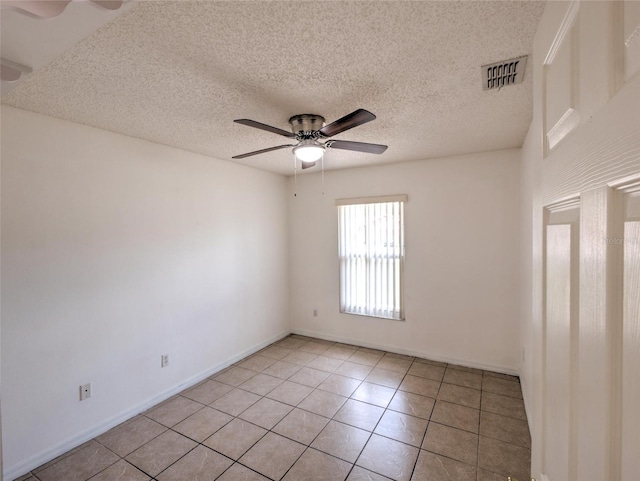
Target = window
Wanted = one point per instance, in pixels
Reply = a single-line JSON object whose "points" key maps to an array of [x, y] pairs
{"points": [[371, 252]]}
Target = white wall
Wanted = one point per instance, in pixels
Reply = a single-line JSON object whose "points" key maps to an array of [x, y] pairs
{"points": [[600, 149], [462, 247], [115, 251]]}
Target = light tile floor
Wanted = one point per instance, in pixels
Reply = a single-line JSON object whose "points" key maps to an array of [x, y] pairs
{"points": [[307, 409]]}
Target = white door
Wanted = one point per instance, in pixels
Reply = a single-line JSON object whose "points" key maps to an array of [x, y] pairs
{"points": [[561, 312], [630, 419]]}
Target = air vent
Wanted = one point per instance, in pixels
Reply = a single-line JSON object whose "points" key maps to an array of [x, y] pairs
{"points": [[501, 74]]}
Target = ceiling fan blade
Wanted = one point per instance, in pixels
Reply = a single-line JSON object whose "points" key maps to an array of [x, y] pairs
{"points": [[356, 146], [268, 128], [256, 152], [358, 117], [307, 165]]}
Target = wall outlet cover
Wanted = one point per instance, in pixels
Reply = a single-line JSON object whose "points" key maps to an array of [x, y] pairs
{"points": [[85, 391]]}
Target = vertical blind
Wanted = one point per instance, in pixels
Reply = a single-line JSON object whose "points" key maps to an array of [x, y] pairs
{"points": [[371, 251]]}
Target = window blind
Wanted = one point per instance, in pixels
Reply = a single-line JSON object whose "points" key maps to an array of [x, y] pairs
{"points": [[371, 252]]}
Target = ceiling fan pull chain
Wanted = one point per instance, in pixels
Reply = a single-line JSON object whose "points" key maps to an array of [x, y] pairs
{"points": [[295, 176], [322, 167]]}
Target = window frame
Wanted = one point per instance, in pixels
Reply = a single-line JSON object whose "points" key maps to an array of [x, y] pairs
{"points": [[401, 199]]}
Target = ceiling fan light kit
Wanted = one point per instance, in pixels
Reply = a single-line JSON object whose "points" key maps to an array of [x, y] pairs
{"points": [[309, 151], [308, 129]]}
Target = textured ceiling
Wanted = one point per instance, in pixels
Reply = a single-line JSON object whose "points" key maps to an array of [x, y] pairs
{"points": [[179, 72]]}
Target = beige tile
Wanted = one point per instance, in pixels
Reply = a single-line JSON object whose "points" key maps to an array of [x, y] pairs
{"points": [[402, 427], [82, 464], [309, 377], [316, 466], [428, 371], [275, 352], [324, 363], [171, 412], [257, 363], [62, 456], [413, 404], [460, 395], [238, 472], [26, 477], [236, 401], [509, 430], [452, 443], [290, 393], [464, 368], [429, 361], [506, 377], [282, 370], [273, 455], [291, 343], [261, 384], [361, 474], [342, 385], [207, 391], [300, 357], [129, 436], [366, 358], [201, 425], [323, 403], [340, 440], [340, 351], [457, 416], [484, 475], [399, 356], [158, 454], [301, 426], [388, 457], [432, 467], [371, 350], [303, 337], [504, 458], [315, 347], [390, 363], [324, 342], [201, 464], [235, 439], [234, 376], [502, 387], [462, 378], [420, 385], [504, 405], [373, 394], [119, 472], [266, 413], [386, 378], [359, 414], [354, 370]]}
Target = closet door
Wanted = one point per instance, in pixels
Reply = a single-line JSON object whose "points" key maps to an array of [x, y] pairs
{"points": [[561, 314], [630, 465]]}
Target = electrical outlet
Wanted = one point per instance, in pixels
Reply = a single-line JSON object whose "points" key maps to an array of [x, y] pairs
{"points": [[164, 360], [315, 313], [85, 391]]}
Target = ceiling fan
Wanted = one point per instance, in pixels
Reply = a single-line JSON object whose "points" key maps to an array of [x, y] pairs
{"points": [[309, 129]]}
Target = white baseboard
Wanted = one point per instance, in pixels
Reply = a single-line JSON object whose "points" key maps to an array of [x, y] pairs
{"points": [[408, 352], [12, 472]]}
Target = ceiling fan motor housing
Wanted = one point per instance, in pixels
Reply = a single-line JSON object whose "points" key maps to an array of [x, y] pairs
{"points": [[306, 126]]}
